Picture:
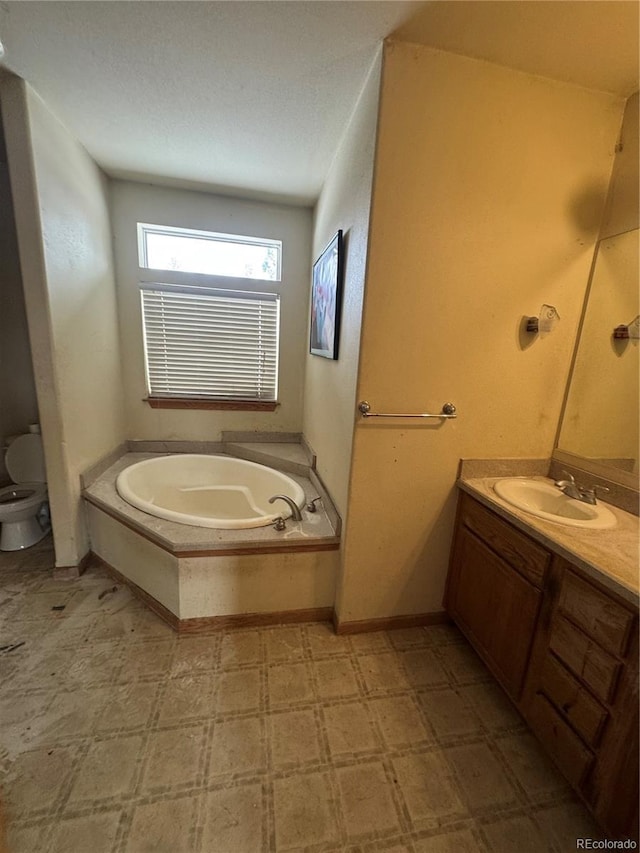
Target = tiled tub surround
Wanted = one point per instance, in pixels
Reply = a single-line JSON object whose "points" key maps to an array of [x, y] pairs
{"points": [[608, 556], [120, 736], [199, 573]]}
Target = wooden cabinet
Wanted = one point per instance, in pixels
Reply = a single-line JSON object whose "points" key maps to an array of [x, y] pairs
{"points": [[564, 648], [491, 594]]}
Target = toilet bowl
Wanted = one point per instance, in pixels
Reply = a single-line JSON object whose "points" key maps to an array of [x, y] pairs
{"points": [[24, 516]]}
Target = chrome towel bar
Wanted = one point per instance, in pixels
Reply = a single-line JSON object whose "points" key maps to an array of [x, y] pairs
{"points": [[448, 411]]}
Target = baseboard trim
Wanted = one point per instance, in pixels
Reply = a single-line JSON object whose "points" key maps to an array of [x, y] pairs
{"points": [[208, 624], [390, 623], [64, 573]]}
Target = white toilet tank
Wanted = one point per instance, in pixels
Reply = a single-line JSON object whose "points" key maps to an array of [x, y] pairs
{"points": [[24, 459]]}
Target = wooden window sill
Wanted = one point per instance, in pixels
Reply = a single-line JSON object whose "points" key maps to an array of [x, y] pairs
{"points": [[220, 405]]}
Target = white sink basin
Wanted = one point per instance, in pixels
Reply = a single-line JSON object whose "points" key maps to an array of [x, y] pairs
{"points": [[547, 501]]}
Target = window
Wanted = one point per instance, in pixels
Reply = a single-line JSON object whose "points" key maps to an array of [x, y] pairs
{"points": [[185, 250], [206, 346]]}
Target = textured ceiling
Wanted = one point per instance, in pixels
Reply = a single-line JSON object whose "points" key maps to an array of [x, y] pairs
{"points": [[251, 98]]}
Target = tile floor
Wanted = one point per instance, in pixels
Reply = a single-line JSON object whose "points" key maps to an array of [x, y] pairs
{"points": [[117, 736]]}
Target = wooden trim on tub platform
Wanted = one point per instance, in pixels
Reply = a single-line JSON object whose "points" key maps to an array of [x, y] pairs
{"points": [[207, 624], [390, 623], [238, 551], [204, 624], [220, 405]]}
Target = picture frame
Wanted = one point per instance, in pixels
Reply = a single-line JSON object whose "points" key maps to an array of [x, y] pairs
{"points": [[326, 300]]}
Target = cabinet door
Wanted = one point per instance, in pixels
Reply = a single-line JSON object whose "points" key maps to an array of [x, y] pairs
{"points": [[495, 607]]}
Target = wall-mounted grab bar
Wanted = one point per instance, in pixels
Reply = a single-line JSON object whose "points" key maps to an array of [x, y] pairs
{"points": [[448, 411]]}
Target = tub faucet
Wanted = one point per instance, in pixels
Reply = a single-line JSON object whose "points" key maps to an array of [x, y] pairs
{"points": [[295, 511]]}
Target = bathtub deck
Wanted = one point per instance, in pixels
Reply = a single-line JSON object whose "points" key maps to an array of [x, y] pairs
{"points": [[318, 531]]}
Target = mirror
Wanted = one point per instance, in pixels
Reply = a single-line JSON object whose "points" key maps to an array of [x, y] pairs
{"points": [[600, 418]]}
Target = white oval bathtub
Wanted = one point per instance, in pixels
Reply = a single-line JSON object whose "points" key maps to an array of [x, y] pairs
{"points": [[208, 491]]}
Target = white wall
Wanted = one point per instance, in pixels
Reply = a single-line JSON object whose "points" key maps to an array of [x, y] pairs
{"points": [[18, 405], [133, 203], [489, 191], [344, 203], [623, 207], [60, 200]]}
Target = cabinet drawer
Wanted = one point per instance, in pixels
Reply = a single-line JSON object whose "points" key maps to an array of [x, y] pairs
{"points": [[608, 622], [577, 705], [588, 661], [563, 745], [530, 559]]}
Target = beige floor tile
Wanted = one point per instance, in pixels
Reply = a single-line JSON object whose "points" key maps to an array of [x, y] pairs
{"points": [[324, 642], [28, 839], [444, 635], [349, 730], [46, 669], [480, 776], [532, 768], [173, 757], [423, 668], [194, 654], [93, 833], [448, 714], [294, 738], [237, 746], [284, 643], [517, 833], [240, 647], [457, 841], [366, 801], [375, 642], [335, 678], [400, 721], [148, 660], [407, 638], [462, 663], [72, 714], [129, 706], [564, 823], [303, 811], [166, 826], [491, 705], [187, 697], [233, 820], [238, 691], [107, 770], [426, 784], [94, 664], [383, 672], [36, 779], [289, 683]]}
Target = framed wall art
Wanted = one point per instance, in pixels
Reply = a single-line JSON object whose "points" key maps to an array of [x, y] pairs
{"points": [[326, 300]]}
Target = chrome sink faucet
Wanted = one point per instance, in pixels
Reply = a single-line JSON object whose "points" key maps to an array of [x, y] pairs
{"points": [[295, 510], [572, 490]]}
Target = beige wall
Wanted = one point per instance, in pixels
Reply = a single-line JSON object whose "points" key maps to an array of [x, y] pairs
{"points": [[60, 200], [488, 199], [329, 395], [133, 203], [18, 405], [623, 204]]}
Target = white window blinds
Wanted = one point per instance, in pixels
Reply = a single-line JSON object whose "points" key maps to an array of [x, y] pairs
{"points": [[213, 344]]}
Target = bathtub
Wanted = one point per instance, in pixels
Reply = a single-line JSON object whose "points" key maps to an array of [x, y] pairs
{"points": [[208, 491]]}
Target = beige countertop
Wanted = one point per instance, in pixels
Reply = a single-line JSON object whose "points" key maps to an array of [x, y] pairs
{"points": [[608, 556]]}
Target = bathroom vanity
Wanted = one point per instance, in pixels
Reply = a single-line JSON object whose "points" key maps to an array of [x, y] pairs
{"points": [[553, 613]]}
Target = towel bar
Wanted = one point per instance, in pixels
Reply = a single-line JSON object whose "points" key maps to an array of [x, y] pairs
{"points": [[448, 411]]}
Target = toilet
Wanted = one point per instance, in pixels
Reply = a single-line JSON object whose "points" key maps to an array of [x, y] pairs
{"points": [[24, 515]]}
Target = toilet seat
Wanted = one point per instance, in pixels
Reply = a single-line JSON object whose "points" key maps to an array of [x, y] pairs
{"points": [[22, 495]]}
